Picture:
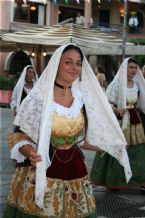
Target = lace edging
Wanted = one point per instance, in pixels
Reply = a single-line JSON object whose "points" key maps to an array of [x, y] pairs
{"points": [[16, 154]]}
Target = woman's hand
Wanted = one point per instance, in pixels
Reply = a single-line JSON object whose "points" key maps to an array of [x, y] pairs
{"points": [[14, 111], [31, 153], [34, 157], [121, 112], [89, 147]]}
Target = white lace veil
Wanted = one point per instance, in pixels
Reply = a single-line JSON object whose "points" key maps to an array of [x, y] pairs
{"points": [[35, 119], [116, 91], [18, 89]]}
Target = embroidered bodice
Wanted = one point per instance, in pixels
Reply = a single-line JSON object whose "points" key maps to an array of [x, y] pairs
{"points": [[132, 95], [67, 123], [66, 130]]}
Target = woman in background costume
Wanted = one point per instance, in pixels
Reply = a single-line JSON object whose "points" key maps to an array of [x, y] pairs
{"points": [[142, 115], [23, 86], [126, 94]]}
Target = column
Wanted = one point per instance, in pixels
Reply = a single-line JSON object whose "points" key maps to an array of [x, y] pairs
{"points": [[48, 13], [51, 14], [41, 15], [54, 14], [88, 13], [5, 14]]}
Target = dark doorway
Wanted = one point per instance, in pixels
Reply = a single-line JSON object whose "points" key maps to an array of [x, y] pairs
{"points": [[104, 18], [65, 13], [47, 59], [34, 15], [19, 61], [140, 19]]}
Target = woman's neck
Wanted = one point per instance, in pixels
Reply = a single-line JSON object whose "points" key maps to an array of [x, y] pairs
{"points": [[130, 83], [29, 84], [129, 79], [63, 83], [29, 81]]}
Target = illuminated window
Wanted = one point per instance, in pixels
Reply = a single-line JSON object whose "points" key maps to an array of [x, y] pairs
{"points": [[26, 13]]}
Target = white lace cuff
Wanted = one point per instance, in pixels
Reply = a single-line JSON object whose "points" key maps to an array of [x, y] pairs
{"points": [[16, 154]]}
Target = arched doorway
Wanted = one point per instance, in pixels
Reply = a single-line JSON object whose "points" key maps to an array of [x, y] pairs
{"points": [[19, 60]]}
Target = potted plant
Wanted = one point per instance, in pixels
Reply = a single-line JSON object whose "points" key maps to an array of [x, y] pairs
{"points": [[6, 87]]}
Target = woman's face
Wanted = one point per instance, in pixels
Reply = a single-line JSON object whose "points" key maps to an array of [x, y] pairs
{"points": [[30, 74], [69, 67], [96, 71], [132, 70]]}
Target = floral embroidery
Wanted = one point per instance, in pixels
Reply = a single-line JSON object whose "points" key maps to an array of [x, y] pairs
{"points": [[74, 196], [69, 199]]}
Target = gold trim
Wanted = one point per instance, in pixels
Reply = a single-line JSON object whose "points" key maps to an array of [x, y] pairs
{"points": [[66, 161], [15, 137]]}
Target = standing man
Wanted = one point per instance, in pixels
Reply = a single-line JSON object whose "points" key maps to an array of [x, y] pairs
{"points": [[79, 19], [133, 24]]}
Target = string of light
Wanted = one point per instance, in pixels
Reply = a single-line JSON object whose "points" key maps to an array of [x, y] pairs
{"points": [[66, 1], [78, 1], [57, 1]]}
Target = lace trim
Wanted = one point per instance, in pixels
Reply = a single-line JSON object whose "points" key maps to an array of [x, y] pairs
{"points": [[16, 154], [27, 90], [73, 111], [135, 88]]}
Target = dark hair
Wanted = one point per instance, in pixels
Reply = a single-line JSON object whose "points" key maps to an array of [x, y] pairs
{"points": [[30, 67], [132, 60], [71, 47], [100, 69]]}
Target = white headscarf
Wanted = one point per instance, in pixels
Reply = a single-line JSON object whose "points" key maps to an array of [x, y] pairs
{"points": [[35, 119], [18, 89], [116, 91]]}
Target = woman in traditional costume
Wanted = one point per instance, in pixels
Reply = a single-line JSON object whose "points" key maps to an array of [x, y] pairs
{"points": [[126, 94], [51, 178], [23, 86], [100, 75], [142, 115]]}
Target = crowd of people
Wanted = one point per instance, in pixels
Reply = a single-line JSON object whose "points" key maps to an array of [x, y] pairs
{"points": [[70, 108], [133, 22]]}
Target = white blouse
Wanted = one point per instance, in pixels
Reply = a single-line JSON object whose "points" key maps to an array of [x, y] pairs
{"points": [[132, 94]]}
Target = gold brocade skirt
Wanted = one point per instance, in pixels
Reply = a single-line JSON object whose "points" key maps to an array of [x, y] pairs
{"points": [[67, 197]]}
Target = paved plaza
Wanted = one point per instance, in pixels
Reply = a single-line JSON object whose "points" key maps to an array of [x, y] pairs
{"points": [[121, 204]]}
